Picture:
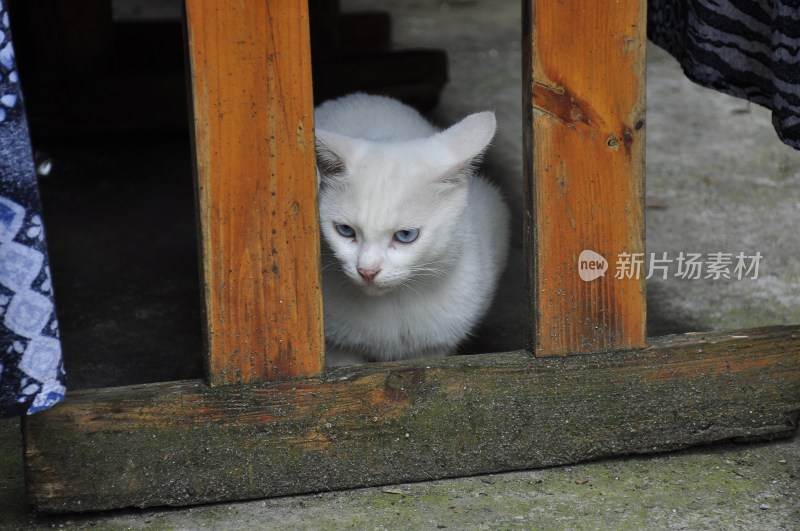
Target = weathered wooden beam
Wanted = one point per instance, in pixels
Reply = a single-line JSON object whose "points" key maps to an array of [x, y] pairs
{"points": [[185, 442], [256, 188], [584, 105]]}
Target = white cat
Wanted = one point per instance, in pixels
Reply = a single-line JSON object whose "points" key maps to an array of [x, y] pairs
{"points": [[413, 240]]}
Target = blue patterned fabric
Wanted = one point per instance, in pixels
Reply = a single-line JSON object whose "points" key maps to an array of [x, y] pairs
{"points": [[746, 48], [31, 370]]}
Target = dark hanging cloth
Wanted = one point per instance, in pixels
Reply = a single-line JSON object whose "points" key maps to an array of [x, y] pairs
{"points": [[745, 48], [31, 371]]}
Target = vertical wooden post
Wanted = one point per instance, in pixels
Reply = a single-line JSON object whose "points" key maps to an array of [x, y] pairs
{"points": [[584, 101], [256, 188]]}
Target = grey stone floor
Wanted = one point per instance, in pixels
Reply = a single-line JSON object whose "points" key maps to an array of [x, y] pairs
{"points": [[718, 179]]}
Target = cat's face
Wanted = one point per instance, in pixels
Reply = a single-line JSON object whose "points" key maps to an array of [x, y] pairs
{"points": [[393, 212], [391, 224]]}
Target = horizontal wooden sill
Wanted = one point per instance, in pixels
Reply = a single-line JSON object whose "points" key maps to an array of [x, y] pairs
{"points": [[182, 443]]}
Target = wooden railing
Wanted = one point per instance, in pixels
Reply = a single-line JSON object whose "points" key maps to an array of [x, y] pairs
{"points": [[268, 421]]}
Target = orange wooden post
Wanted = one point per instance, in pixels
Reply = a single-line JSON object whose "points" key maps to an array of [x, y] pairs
{"points": [[584, 101], [256, 188]]}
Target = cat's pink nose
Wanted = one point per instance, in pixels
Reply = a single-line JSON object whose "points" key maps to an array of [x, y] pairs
{"points": [[368, 274]]}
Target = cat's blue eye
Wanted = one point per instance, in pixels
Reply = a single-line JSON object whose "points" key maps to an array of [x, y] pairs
{"points": [[345, 230], [406, 236]]}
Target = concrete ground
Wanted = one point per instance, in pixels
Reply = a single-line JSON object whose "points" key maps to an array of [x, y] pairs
{"points": [[718, 179]]}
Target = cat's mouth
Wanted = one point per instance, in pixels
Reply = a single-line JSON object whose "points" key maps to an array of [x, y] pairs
{"points": [[376, 290]]}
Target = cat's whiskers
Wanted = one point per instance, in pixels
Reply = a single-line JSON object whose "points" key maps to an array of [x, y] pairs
{"points": [[432, 268], [436, 262], [417, 280], [406, 284], [429, 273], [329, 265]]}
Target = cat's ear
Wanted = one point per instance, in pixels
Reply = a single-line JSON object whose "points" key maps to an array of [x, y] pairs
{"points": [[333, 152], [463, 144]]}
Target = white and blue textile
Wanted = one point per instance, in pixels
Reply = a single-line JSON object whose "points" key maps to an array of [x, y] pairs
{"points": [[31, 370]]}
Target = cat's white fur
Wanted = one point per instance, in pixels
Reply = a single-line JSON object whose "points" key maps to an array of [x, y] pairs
{"points": [[383, 168]]}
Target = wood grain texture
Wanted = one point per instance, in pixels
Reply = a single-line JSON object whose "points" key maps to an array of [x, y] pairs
{"points": [[256, 188], [185, 442], [584, 99]]}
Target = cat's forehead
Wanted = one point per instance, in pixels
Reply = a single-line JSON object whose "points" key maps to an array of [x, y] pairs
{"points": [[385, 207], [393, 170], [384, 202], [411, 160], [388, 187]]}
